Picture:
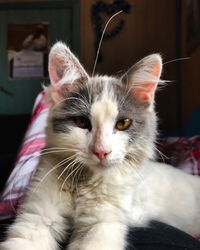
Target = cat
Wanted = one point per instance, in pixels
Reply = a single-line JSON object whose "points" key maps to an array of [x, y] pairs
{"points": [[97, 175]]}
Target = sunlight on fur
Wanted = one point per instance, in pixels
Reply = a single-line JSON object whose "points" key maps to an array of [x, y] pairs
{"points": [[97, 175]]}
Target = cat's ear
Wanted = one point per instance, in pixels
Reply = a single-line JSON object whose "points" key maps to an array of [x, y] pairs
{"points": [[143, 77], [64, 69]]}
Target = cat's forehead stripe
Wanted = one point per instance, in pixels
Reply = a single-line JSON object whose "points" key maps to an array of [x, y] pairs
{"points": [[104, 110]]}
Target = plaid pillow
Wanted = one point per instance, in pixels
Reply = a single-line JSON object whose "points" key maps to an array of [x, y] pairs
{"points": [[27, 159], [183, 153]]}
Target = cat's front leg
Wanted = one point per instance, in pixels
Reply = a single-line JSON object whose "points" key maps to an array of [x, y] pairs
{"points": [[43, 218], [101, 236]]}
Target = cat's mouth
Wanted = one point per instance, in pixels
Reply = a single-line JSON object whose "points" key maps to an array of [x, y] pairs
{"points": [[106, 164], [102, 164]]}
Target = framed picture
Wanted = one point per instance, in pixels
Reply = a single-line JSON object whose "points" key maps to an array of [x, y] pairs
{"points": [[27, 52]]}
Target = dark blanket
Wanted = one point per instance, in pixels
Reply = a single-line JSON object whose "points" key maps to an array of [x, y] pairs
{"points": [[157, 236]]}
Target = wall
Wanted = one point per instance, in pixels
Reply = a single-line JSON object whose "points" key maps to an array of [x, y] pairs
{"points": [[190, 72], [149, 27]]}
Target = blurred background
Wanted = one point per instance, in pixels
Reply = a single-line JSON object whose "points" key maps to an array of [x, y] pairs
{"points": [[28, 28]]}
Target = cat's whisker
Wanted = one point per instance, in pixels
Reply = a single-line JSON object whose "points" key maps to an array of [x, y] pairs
{"points": [[36, 156], [58, 165], [145, 141], [68, 150], [54, 148], [83, 100], [67, 167], [49, 172], [101, 39], [67, 177], [41, 154], [78, 177], [162, 155], [176, 60], [44, 151], [75, 178], [63, 100]]}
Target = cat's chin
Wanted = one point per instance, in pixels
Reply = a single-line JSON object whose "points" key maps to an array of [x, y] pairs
{"points": [[103, 165]]}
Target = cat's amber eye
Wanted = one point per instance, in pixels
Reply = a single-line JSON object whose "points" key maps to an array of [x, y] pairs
{"points": [[82, 122], [123, 124]]}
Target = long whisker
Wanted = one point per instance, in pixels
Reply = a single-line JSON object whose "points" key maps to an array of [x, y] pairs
{"points": [[162, 155], [60, 164], [65, 180], [45, 176], [175, 60], [82, 96], [67, 167], [100, 42], [54, 148], [83, 100], [76, 176], [75, 169], [38, 154]]}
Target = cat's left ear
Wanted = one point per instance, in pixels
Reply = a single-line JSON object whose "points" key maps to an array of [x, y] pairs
{"points": [[143, 77], [64, 70]]}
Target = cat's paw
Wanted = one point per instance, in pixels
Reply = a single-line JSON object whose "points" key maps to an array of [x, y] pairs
{"points": [[16, 244], [102, 236], [94, 246]]}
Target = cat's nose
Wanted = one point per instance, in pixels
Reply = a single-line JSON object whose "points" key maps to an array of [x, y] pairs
{"points": [[102, 153]]}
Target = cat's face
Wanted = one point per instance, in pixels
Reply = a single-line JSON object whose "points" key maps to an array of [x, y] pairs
{"points": [[102, 121]]}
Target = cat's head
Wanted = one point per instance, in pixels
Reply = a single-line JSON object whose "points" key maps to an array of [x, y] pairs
{"points": [[102, 121]]}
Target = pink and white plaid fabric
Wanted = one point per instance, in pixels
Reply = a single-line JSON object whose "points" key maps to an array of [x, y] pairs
{"points": [[27, 159], [182, 152]]}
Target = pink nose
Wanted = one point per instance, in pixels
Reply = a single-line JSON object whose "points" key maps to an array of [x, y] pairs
{"points": [[102, 153]]}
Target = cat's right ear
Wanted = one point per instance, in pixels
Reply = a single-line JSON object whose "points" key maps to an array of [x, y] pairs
{"points": [[143, 78], [64, 70]]}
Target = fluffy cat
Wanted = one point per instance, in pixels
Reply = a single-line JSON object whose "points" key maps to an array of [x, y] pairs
{"points": [[97, 176]]}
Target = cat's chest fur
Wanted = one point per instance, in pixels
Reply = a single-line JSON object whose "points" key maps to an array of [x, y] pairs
{"points": [[108, 194]]}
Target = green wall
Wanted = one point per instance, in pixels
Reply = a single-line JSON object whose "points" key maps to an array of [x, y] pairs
{"points": [[63, 20]]}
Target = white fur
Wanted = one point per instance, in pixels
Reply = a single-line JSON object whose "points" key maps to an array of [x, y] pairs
{"points": [[114, 193], [168, 195], [119, 199]]}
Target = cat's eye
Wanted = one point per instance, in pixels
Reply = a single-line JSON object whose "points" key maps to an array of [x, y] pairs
{"points": [[123, 124], [82, 122]]}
